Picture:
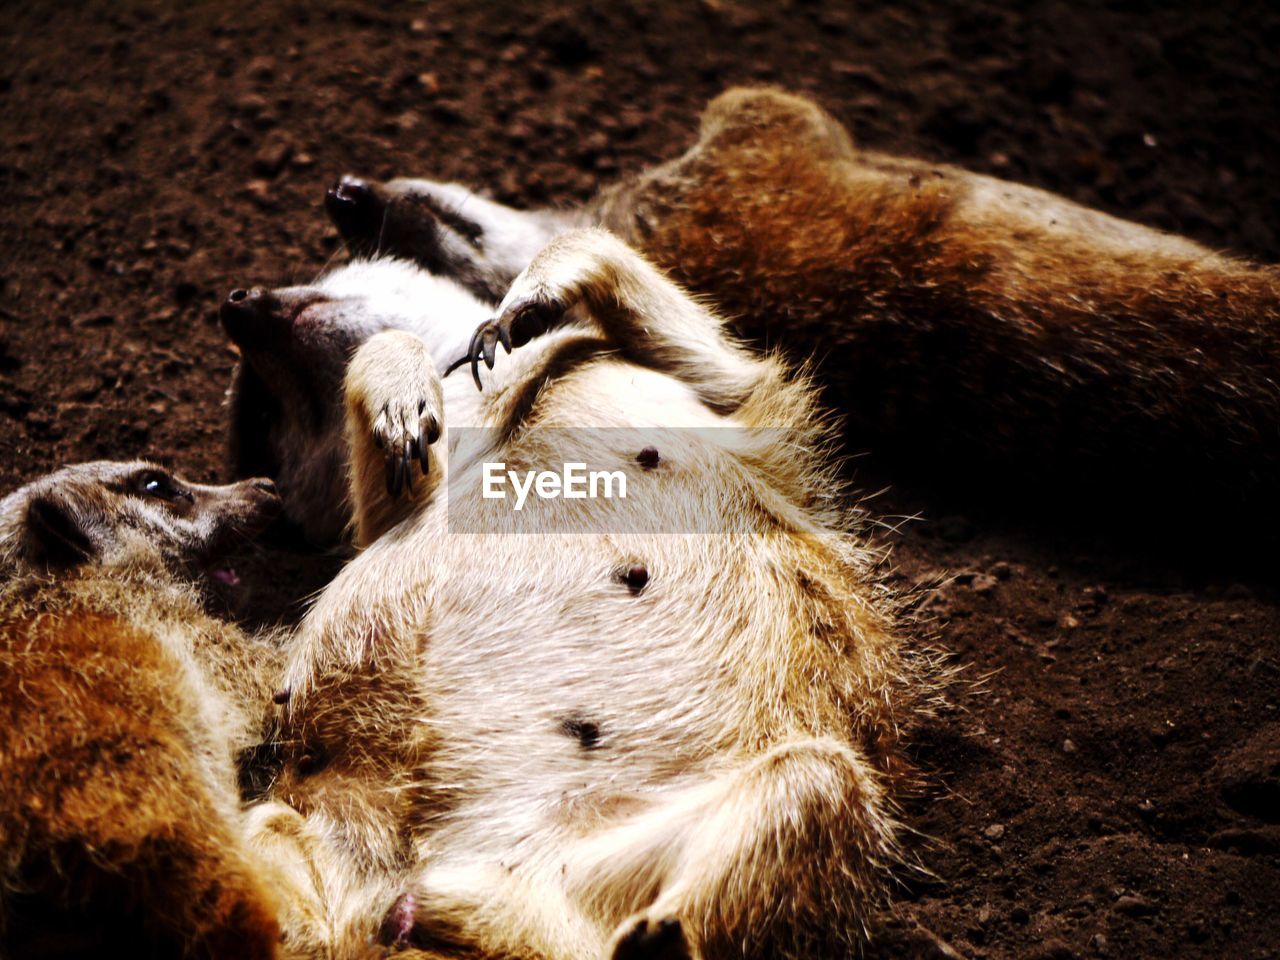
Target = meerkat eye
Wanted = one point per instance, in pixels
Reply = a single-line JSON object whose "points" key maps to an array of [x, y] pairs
{"points": [[153, 483], [313, 760]]}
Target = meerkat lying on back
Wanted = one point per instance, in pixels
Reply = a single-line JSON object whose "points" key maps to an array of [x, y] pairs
{"points": [[124, 706], [601, 738], [956, 318]]}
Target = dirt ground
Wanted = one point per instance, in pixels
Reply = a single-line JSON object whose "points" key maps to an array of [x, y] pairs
{"points": [[1114, 790]]}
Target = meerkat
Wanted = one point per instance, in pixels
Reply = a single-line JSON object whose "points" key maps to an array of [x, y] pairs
{"points": [[286, 409], [955, 318], [581, 731], [125, 706]]}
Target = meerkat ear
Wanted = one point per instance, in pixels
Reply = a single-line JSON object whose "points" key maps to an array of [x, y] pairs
{"points": [[54, 534]]}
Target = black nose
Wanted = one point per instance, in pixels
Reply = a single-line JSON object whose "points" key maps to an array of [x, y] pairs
{"points": [[245, 313], [261, 497], [354, 208], [351, 191]]}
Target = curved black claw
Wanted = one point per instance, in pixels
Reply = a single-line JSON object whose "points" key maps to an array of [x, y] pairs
{"points": [[518, 324], [395, 475], [455, 365], [473, 352], [403, 454], [411, 453], [488, 344]]}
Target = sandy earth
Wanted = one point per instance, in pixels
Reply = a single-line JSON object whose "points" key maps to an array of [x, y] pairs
{"points": [[1114, 790]]}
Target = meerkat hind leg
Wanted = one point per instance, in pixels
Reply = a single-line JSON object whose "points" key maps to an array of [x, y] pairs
{"points": [[779, 856], [769, 859]]}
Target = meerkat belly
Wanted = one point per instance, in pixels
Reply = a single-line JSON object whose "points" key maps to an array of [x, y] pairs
{"points": [[561, 661], [566, 671], [555, 689]]}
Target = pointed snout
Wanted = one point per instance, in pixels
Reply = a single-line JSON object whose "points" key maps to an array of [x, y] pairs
{"points": [[256, 492], [260, 497], [350, 193], [247, 315], [263, 486]]}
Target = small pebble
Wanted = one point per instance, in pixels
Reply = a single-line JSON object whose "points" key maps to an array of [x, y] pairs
{"points": [[984, 584], [1132, 906], [272, 156], [260, 192]]}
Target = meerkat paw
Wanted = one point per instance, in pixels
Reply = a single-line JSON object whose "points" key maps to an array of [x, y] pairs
{"points": [[404, 429], [574, 267], [393, 384], [644, 938], [521, 321]]}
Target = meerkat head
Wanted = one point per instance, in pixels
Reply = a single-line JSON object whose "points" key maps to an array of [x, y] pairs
{"points": [[444, 227], [286, 398], [132, 513]]}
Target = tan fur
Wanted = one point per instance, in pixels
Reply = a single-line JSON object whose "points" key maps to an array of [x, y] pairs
{"points": [[125, 705], [745, 705]]}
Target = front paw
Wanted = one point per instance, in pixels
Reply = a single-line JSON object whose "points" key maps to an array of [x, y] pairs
{"points": [[574, 269], [521, 321], [394, 397], [403, 429]]}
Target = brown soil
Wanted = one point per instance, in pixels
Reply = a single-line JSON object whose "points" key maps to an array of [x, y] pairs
{"points": [[1115, 788]]}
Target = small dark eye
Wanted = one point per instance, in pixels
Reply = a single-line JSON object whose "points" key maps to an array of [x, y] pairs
{"points": [[312, 761], [153, 483]]}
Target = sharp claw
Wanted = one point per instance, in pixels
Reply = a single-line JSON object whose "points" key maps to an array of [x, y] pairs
{"points": [[504, 337], [391, 477], [424, 458], [397, 470], [487, 343], [406, 471], [474, 353], [433, 432], [455, 365]]}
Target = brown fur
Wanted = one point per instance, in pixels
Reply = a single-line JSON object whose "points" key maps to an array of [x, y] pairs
{"points": [[967, 321], [111, 830], [994, 337], [123, 707]]}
